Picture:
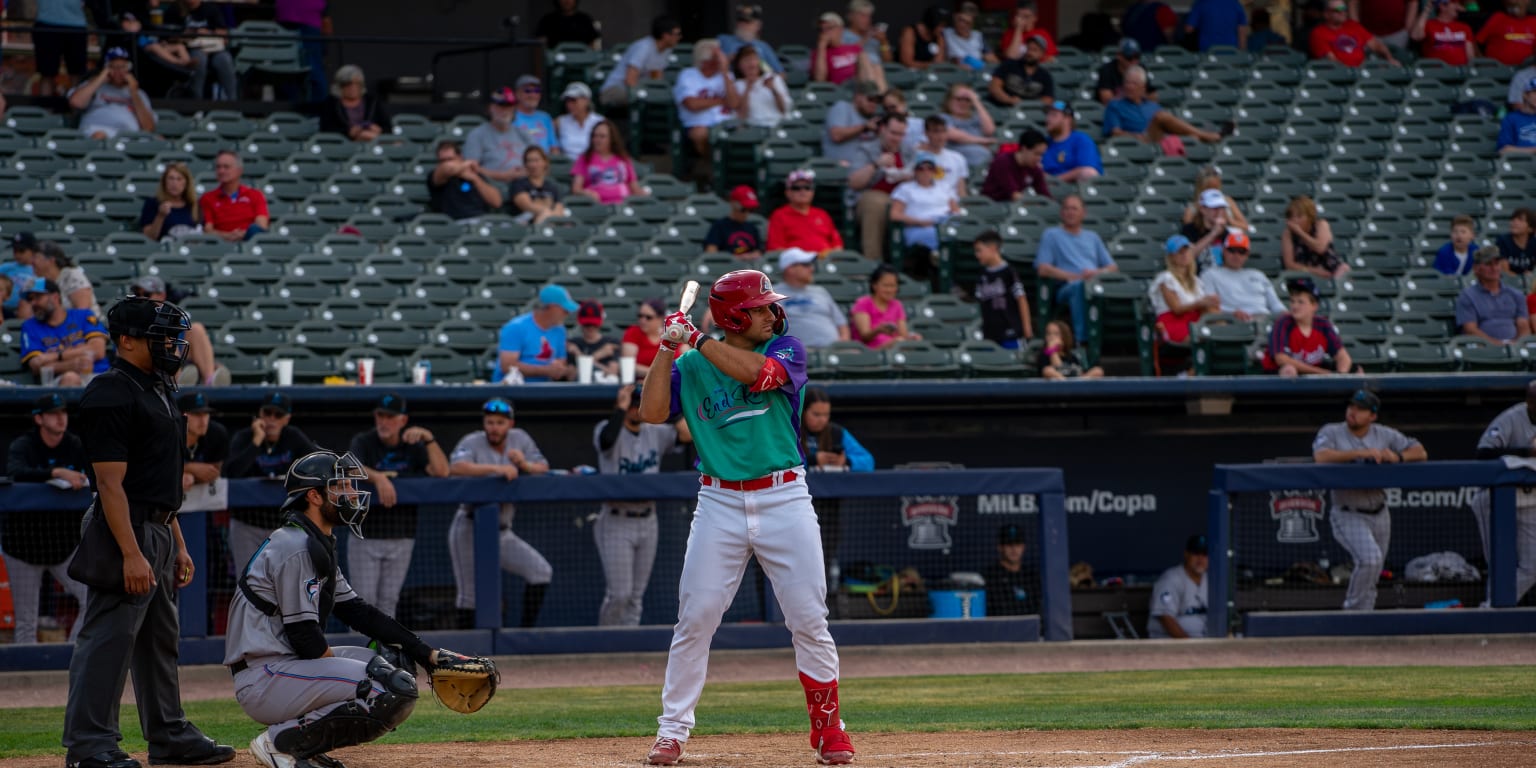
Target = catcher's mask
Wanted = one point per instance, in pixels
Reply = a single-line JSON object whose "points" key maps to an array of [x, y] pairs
{"points": [[338, 477], [736, 292], [160, 323]]}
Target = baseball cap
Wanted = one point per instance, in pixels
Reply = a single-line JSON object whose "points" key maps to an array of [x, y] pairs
{"points": [[24, 241], [193, 402], [744, 197], [1129, 48], [1487, 254], [749, 12], [868, 88], [831, 18], [558, 296], [925, 157], [499, 406], [1213, 198], [276, 400], [1038, 40], [148, 284], [1010, 534], [527, 80], [1197, 545], [789, 257], [1176, 243], [1062, 107], [391, 402], [48, 404], [114, 54], [41, 285], [800, 174], [504, 96], [1302, 285], [576, 91], [1531, 85], [590, 313], [1237, 239], [1365, 399]]}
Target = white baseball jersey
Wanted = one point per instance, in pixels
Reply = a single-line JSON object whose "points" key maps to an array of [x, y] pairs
{"points": [[633, 454], [1176, 594]]}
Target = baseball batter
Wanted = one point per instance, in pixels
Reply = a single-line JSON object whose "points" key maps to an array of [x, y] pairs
{"points": [[497, 449], [625, 531], [315, 698], [1362, 524], [1512, 433], [741, 400]]}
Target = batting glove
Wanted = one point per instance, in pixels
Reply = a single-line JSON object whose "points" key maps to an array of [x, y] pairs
{"points": [[678, 332]]}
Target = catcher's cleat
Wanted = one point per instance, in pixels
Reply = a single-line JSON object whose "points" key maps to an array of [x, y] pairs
{"points": [[834, 747], [666, 751], [323, 760], [268, 755]]}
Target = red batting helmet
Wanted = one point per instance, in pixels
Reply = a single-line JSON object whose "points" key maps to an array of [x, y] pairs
{"points": [[736, 292]]}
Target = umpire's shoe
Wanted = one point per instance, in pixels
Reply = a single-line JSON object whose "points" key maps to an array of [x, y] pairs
{"points": [[209, 752], [112, 758]]}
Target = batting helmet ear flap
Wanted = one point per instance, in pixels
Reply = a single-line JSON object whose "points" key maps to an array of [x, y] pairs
{"points": [[781, 324]]}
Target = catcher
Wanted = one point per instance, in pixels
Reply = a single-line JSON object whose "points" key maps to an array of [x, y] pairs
{"points": [[315, 698]]}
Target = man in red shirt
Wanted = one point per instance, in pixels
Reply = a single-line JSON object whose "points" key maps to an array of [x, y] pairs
{"points": [[799, 224], [1343, 40], [1510, 35], [233, 211], [1444, 37]]}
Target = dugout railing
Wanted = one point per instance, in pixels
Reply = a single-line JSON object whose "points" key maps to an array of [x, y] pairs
{"points": [[939, 521], [1285, 491]]}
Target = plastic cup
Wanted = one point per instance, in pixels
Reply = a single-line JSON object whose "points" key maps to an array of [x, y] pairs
{"points": [[284, 368], [584, 369], [626, 370], [365, 371], [47, 376]]}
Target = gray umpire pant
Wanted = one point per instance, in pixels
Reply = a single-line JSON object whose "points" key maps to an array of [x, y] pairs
{"points": [[141, 633], [1365, 536]]}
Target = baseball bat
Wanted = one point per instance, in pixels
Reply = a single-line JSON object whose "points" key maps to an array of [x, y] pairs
{"points": [[690, 292]]}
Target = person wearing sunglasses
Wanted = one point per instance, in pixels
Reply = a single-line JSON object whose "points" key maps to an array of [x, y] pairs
{"points": [[264, 449], [536, 126], [798, 224], [642, 339]]}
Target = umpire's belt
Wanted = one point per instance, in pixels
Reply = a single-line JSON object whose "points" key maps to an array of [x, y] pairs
{"points": [[153, 514], [1363, 510], [765, 482]]}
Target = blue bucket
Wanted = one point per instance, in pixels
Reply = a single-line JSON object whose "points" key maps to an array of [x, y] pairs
{"points": [[958, 604]]}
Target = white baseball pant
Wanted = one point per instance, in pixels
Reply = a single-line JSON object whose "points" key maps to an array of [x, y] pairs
{"points": [[1365, 536]]}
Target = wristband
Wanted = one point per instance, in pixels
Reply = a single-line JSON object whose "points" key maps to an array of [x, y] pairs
{"points": [[700, 346]]}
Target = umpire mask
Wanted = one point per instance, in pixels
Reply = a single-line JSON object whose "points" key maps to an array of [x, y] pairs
{"points": [[161, 324]]}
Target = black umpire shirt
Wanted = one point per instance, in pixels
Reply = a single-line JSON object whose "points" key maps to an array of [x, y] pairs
{"points": [[270, 459], [213, 447], [126, 415], [42, 538], [403, 460]]}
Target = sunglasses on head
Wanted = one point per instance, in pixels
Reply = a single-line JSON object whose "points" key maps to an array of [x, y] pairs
{"points": [[500, 407]]}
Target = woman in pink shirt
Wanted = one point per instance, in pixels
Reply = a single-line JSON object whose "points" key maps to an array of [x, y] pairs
{"points": [[604, 172], [878, 319]]}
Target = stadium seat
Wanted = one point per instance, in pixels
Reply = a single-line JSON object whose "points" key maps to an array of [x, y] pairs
{"points": [[303, 293], [387, 368], [1414, 355], [371, 291], [1221, 343], [323, 337], [438, 291], [921, 360], [853, 360]]}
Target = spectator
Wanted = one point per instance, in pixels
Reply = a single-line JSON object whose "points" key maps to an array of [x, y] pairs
{"points": [[1487, 308], [568, 24], [765, 100], [864, 32], [1060, 359], [644, 59], [496, 146], [963, 43], [52, 263], [817, 319], [207, 37], [1518, 245], [112, 102], [1517, 133], [533, 344], [798, 224], [1209, 177], [1068, 255], [1208, 231], [851, 123], [534, 195], [1018, 80], [1071, 155], [736, 234], [1518, 83], [350, 110], [1020, 26], [827, 445], [1137, 116], [922, 43], [1151, 23], [499, 449], [1016, 169], [265, 449], [312, 20], [875, 176], [1009, 582], [706, 96], [626, 531], [592, 342], [1177, 297], [59, 36], [172, 212], [233, 211], [836, 60], [970, 124], [1455, 257], [1306, 243], [643, 339], [1181, 594], [7, 287], [749, 25], [65, 345], [202, 371], [1246, 293], [1264, 35], [378, 562], [1303, 342], [921, 205], [534, 125], [1389, 20], [575, 124], [1217, 22], [207, 441], [457, 189], [167, 52], [18, 270], [878, 319], [894, 102], [1111, 79], [1509, 36], [1361, 522], [953, 170], [40, 542], [1444, 37], [1343, 40], [1000, 295], [604, 172]]}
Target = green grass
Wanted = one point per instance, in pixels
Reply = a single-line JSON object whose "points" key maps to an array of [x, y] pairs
{"points": [[1493, 698]]}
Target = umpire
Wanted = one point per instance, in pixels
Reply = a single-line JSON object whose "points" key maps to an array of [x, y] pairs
{"points": [[131, 555]]}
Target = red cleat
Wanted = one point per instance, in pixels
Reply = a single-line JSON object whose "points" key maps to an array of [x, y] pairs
{"points": [[669, 751], [835, 747]]}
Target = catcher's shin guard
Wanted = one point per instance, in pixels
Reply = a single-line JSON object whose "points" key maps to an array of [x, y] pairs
{"points": [[359, 721], [828, 739]]}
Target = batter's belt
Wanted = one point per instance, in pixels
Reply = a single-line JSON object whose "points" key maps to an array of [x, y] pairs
{"points": [[781, 477]]}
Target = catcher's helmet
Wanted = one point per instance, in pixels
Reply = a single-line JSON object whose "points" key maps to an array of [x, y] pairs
{"points": [[735, 292], [338, 477], [163, 324]]}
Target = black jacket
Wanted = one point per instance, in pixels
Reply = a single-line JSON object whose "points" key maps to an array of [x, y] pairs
{"points": [[333, 116]]}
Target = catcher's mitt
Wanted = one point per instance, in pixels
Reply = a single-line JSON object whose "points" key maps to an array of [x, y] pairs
{"points": [[463, 683]]}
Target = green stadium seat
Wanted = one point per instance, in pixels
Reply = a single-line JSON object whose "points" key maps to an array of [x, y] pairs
{"points": [[686, 228], [345, 247], [323, 337], [439, 291], [32, 121], [435, 226], [392, 268], [1477, 354], [1220, 342], [920, 360], [459, 269], [387, 368], [1414, 355], [347, 313], [853, 360], [508, 290], [250, 337], [39, 163], [89, 225], [391, 337], [304, 293]]}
